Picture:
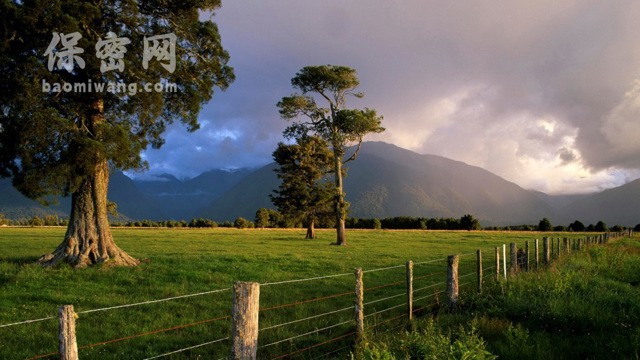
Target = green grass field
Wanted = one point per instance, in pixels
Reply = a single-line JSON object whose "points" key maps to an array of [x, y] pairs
{"points": [[179, 262]]}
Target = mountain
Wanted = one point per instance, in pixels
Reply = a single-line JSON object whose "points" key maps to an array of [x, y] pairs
{"points": [[384, 181], [15, 206], [617, 206], [387, 180], [131, 202], [181, 199]]}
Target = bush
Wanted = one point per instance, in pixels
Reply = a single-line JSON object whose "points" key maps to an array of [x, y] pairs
{"points": [[428, 341], [577, 226], [36, 221], [545, 225], [601, 227], [242, 223]]}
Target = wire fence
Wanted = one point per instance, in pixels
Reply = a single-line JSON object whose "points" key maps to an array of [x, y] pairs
{"points": [[322, 324]]}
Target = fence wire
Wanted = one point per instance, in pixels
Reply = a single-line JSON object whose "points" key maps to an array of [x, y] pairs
{"points": [[187, 348]]}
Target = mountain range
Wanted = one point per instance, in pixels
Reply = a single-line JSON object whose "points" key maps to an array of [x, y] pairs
{"points": [[384, 181]]}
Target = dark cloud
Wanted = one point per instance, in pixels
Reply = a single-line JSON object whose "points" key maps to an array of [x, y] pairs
{"points": [[502, 85]]}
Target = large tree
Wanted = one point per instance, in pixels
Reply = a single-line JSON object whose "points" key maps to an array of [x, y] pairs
{"points": [[304, 192], [58, 139], [339, 126]]}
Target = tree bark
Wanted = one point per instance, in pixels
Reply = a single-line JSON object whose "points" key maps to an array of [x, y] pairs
{"points": [[339, 205], [88, 239], [311, 230]]}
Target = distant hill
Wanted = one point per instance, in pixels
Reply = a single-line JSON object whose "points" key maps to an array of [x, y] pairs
{"points": [[16, 206], [617, 206], [387, 180], [183, 199], [130, 201]]}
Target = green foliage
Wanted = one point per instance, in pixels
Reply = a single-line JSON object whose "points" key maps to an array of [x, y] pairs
{"points": [[601, 227], [304, 195], [36, 221], [577, 226], [617, 228], [583, 308], [468, 222], [335, 124], [428, 341], [545, 225], [52, 141], [202, 223], [262, 218], [242, 223]]}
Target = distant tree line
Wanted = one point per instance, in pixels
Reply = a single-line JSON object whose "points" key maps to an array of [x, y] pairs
{"points": [[269, 218]]}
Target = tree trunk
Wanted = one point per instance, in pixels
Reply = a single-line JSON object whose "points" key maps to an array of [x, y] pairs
{"points": [[88, 239], [339, 205], [311, 230]]}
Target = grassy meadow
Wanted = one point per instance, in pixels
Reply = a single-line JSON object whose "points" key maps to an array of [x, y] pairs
{"points": [[179, 262], [587, 306]]}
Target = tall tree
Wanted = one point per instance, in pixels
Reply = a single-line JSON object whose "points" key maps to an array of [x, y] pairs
{"points": [[339, 126], [304, 193], [85, 86]]}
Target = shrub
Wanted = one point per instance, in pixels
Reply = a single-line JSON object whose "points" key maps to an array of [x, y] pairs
{"points": [[242, 223]]}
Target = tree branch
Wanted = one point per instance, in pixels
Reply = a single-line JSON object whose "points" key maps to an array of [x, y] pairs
{"points": [[355, 154]]}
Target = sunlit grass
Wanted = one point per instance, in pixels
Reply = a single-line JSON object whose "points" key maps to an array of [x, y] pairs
{"points": [[178, 262]]}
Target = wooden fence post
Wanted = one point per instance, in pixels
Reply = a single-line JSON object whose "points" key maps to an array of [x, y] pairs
{"points": [[558, 248], [497, 263], [551, 246], [244, 329], [452, 280], [545, 251], [513, 259], [410, 290], [526, 255], [504, 260], [537, 254], [579, 244], [359, 306], [479, 269], [68, 346]]}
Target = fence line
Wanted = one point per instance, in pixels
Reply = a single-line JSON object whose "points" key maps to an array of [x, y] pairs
{"points": [[153, 301], [315, 345], [430, 261], [307, 318], [516, 264], [306, 334], [383, 269], [28, 321], [305, 301], [384, 299], [187, 348], [302, 280]]}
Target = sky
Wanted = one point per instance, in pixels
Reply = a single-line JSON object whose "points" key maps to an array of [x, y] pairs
{"points": [[545, 94]]}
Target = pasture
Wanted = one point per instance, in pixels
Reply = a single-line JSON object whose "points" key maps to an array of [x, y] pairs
{"points": [[177, 262]]}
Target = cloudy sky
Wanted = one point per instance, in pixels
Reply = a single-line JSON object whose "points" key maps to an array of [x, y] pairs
{"points": [[543, 93]]}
